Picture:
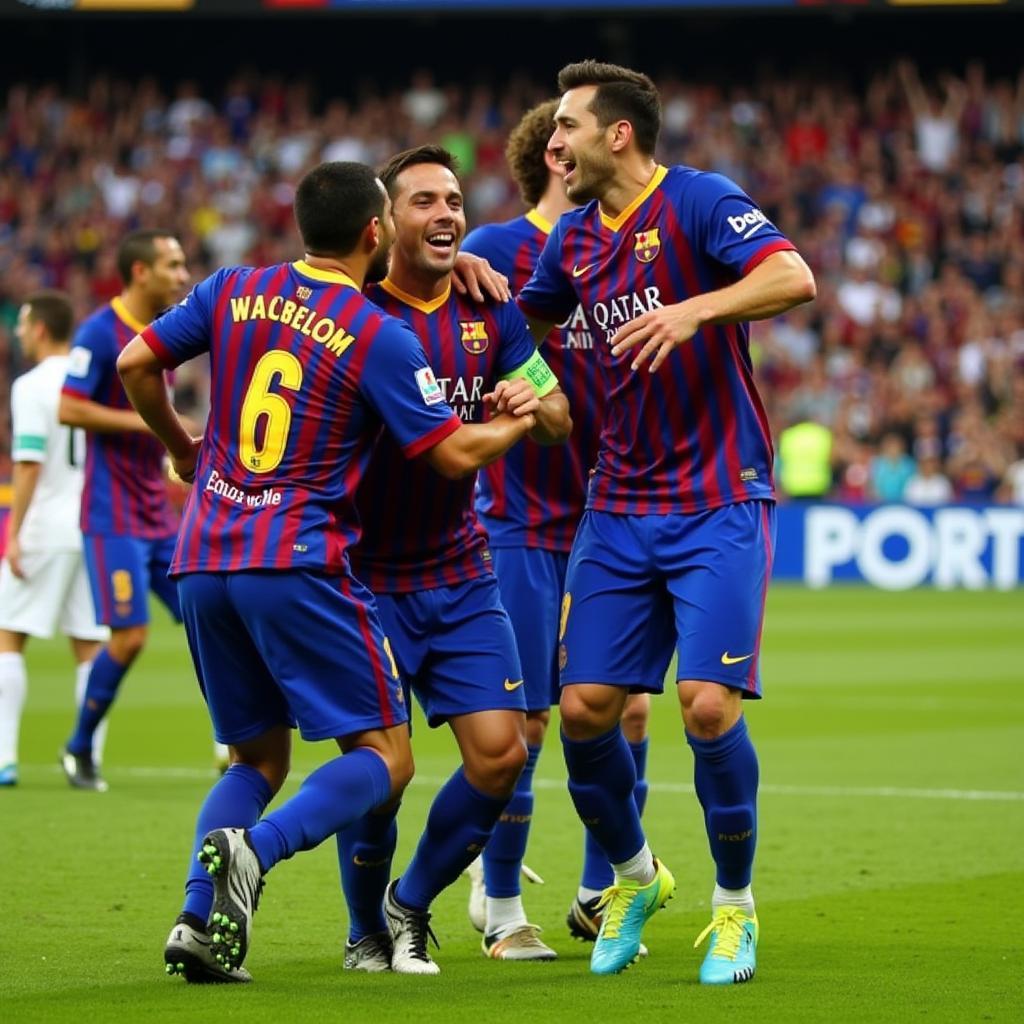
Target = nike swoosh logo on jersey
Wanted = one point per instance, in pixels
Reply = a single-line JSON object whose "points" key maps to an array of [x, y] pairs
{"points": [[727, 659], [510, 686], [580, 271]]}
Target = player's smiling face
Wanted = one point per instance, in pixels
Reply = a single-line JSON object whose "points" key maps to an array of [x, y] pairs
{"points": [[580, 145], [429, 219]]}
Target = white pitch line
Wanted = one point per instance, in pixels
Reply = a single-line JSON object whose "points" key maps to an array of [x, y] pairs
{"points": [[770, 789]]}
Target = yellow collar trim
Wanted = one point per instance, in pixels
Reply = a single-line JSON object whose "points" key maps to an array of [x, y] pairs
{"points": [[121, 311], [539, 222], [616, 223], [318, 274], [410, 300]]}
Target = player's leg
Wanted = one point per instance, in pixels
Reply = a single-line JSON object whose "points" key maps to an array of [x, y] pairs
{"points": [[616, 635], [29, 606], [584, 918], [720, 611], [78, 622], [366, 848], [530, 582], [473, 681], [363, 711], [119, 578], [247, 711], [13, 687]]}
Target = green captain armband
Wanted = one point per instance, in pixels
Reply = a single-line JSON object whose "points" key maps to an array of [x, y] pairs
{"points": [[538, 373]]}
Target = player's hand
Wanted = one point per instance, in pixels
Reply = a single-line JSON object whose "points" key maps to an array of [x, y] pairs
{"points": [[513, 396], [658, 332], [185, 468], [474, 275], [13, 556]]}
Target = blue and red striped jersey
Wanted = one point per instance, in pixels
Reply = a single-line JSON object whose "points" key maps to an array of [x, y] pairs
{"points": [[694, 435], [304, 372], [534, 496], [420, 530], [125, 490]]}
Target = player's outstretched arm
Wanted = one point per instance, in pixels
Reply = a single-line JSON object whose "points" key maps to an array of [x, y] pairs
{"points": [[475, 445], [554, 424], [143, 377], [475, 276], [780, 282]]}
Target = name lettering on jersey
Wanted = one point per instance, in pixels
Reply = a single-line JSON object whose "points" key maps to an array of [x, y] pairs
{"points": [[610, 316], [463, 395], [647, 245], [322, 329], [268, 497], [747, 224], [474, 336], [576, 331]]}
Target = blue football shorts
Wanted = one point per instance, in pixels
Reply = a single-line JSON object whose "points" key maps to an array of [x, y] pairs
{"points": [[640, 588], [287, 648], [531, 581], [455, 648], [122, 571]]}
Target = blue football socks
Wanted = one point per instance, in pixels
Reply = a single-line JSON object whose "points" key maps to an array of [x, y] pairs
{"points": [[503, 856], [460, 822], [334, 796], [597, 871], [237, 800], [104, 680], [726, 775], [365, 851], [602, 776]]}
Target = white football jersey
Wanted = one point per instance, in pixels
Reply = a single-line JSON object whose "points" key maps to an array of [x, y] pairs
{"points": [[51, 522]]}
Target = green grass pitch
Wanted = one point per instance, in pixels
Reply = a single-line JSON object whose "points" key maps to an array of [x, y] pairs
{"points": [[890, 875]]}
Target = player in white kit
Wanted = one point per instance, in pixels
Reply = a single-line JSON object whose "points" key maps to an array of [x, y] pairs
{"points": [[43, 583]]}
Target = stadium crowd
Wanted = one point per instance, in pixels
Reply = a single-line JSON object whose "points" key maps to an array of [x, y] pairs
{"points": [[905, 196]]}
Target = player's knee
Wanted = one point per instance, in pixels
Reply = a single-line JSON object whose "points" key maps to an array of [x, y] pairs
{"points": [[497, 772], [126, 644], [401, 769], [536, 727], [634, 717], [582, 716], [709, 710]]}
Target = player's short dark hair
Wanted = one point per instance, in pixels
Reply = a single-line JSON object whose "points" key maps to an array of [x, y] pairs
{"points": [[525, 151], [333, 204], [622, 95], [136, 247], [410, 158], [53, 310]]}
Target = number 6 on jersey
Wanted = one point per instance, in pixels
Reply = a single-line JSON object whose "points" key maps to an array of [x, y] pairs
{"points": [[261, 402]]}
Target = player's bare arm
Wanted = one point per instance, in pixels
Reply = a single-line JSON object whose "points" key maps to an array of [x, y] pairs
{"points": [[24, 478], [97, 418], [475, 445], [143, 377], [779, 283], [475, 276], [554, 424]]}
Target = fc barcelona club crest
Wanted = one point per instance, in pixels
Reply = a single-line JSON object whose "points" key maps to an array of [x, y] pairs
{"points": [[648, 245], [474, 336]]}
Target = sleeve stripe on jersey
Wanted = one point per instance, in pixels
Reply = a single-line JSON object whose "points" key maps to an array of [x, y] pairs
{"points": [[158, 348], [29, 443], [779, 245], [435, 436]]}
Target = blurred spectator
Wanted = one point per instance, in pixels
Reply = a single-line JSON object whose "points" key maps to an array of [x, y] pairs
{"points": [[804, 467], [891, 469], [929, 485]]}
